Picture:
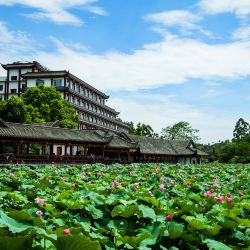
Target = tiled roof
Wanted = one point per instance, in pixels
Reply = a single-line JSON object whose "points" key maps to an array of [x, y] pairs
{"points": [[46, 132], [43, 133], [45, 74], [25, 65], [155, 146]]}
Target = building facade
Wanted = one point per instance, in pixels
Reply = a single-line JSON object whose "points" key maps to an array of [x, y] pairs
{"points": [[89, 102], [47, 143]]}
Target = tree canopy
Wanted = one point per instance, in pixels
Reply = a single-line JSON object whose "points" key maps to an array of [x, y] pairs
{"points": [[39, 104], [180, 131], [142, 129], [236, 151], [242, 129]]}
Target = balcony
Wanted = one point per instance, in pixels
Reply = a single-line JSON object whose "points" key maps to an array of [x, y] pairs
{"points": [[88, 99], [99, 115]]}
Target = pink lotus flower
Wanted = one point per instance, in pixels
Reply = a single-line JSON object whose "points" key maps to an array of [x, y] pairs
{"points": [[150, 193], [136, 184], [66, 232], [240, 193], [208, 194], [116, 182], [169, 217], [98, 174], [162, 178], [162, 187], [219, 198], [39, 213], [216, 185], [157, 169], [73, 185], [211, 190], [229, 199], [171, 182], [228, 194], [40, 201], [63, 178]]}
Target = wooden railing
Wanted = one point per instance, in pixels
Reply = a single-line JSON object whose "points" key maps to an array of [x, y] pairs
{"points": [[54, 159]]}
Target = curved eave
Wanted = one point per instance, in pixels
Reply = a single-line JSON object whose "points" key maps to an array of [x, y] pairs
{"points": [[14, 66], [45, 74]]}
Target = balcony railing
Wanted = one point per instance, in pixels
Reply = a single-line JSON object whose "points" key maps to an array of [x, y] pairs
{"points": [[99, 115], [88, 99]]}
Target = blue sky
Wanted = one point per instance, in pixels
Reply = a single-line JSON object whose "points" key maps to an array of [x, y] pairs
{"points": [[161, 61]]}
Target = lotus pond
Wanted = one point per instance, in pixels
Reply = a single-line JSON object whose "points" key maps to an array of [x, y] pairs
{"points": [[138, 206]]}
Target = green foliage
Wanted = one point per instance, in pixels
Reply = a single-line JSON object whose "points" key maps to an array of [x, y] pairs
{"points": [[13, 110], [180, 131], [98, 214], [216, 245], [144, 130], [237, 151], [242, 129], [39, 104], [14, 243], [76, 243]]}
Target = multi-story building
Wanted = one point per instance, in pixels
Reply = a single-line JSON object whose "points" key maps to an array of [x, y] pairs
{"points": [[89, 102]]}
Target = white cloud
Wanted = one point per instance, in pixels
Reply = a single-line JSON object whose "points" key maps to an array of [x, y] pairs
{"points": [[8, 37], [97, 10], [182, 18], [171, 61], [14, 45], [238, 7], [185, 20], [243, 33], [160, 111], [56, 10]]}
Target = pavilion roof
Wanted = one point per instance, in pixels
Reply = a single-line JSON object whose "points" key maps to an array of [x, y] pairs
{"points": [[47, 132], [157, 146]]}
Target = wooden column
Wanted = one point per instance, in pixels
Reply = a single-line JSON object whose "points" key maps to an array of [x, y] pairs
{"points": [[65, 149], [19, 82], [18, 148], [7, 85], [28, 148]]}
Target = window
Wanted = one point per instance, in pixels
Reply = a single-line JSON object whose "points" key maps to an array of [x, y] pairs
{"points": [[58, 82], [13, 78], [24, 86], [1, 87], [13, 91], [39, 81]]}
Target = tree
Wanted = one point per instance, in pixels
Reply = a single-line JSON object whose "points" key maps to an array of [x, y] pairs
{"points": [[180, 131], [237, 151], [13, 110], [39, 104], [145, 130], [241, 130]]}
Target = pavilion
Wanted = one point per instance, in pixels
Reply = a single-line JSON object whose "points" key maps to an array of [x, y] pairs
{"points": [[48, 143]]}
